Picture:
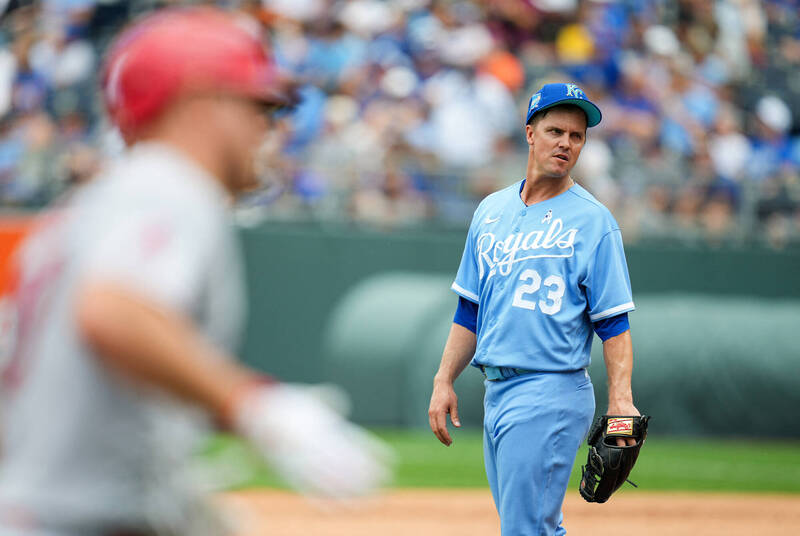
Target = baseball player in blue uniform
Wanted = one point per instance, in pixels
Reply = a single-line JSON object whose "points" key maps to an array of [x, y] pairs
{"points": [[543, 269]]}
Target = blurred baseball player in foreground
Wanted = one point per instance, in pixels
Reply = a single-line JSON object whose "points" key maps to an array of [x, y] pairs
{"points": [[130, 301], [543, 268]]}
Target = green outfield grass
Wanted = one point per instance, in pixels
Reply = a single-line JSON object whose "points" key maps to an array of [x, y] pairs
{"points": [[666, 464]]}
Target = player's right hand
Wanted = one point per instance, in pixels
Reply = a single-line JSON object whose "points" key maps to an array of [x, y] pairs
{"points": [[443, 402], [310, 445]]}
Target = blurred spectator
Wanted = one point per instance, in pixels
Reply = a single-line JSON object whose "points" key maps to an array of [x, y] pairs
{"points": [[390, 202], [413, 108], [729, 148]]}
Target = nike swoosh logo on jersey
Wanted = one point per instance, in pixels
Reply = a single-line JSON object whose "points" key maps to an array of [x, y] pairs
{"points": [[491, 220]]}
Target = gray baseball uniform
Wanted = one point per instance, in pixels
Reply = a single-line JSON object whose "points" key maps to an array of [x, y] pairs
{"points": [[82, 448]]}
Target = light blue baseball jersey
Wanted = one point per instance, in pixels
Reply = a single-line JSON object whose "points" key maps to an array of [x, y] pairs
{"points": [[541, 274]]}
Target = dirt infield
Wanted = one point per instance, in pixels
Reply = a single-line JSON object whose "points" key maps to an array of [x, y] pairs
{"points": [[471, 513]]}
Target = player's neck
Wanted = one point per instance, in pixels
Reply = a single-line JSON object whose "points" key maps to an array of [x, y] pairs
{"points": [[538, 189], [192, 149]]}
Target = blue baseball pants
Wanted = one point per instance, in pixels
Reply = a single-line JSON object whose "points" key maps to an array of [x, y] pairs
{"points": [[533, 426]]}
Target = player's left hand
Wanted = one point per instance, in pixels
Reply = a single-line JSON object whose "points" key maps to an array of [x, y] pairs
{"points": [[309, 444], [623, 408]]}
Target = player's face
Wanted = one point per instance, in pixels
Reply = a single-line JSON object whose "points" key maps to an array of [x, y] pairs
{"points": [[243, 127], [556, 141]]}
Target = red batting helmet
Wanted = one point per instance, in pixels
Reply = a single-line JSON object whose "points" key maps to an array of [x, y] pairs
{"points": [[186, 50]]}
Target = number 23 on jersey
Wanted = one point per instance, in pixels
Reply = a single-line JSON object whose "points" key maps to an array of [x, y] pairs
{"points": [[549, 301]]}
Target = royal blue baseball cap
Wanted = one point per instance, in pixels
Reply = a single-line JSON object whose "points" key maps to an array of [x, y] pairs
{"points": [[552, 94]]}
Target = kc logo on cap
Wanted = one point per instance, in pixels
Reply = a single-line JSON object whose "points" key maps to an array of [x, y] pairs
{"points": [[575, 91], [553, 94]]}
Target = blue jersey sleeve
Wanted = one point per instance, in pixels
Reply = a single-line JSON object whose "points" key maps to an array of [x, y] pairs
{"points": [[607, 284], [612, 326], [467, 280], [467, 314]]}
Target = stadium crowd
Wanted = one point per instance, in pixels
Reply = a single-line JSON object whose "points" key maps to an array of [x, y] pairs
{"points": [[412, 109]]}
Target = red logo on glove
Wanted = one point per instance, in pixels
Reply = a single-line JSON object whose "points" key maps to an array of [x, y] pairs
{"points": [[620, 426]]}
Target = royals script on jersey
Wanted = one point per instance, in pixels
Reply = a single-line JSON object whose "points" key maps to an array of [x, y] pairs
{"points": [[81, 447], [541, 274]]}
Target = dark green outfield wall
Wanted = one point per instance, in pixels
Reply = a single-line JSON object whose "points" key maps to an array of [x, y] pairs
{"points": [[296, 275], [371, 312]]}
